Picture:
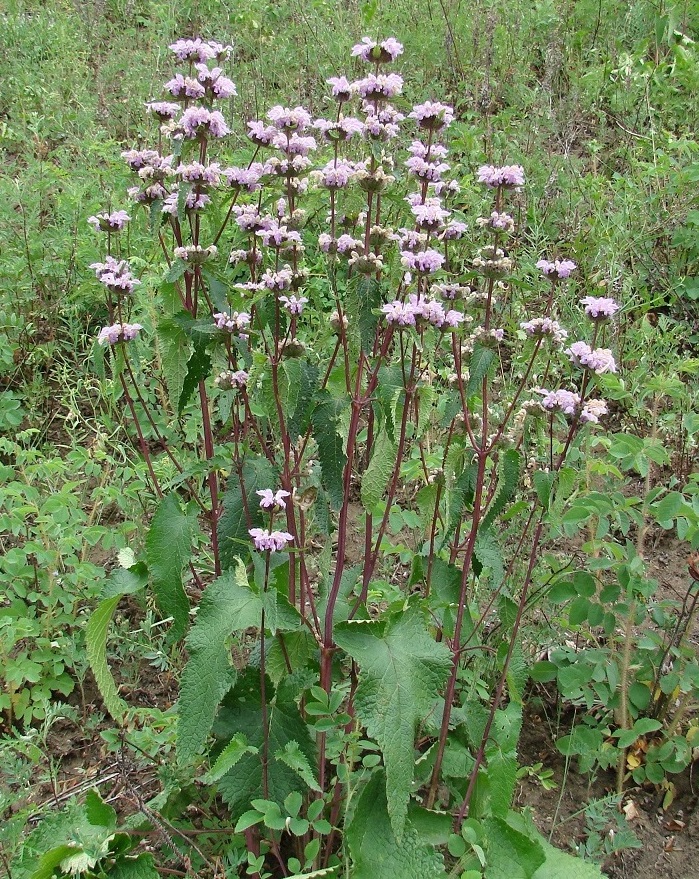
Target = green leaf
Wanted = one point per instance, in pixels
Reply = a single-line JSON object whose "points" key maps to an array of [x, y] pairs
{"points": [[510, 853], [142, 867], [401, 669], [123, 581], [98, 812], [175, 353], [543, 483], [241, 713], [229, 756], [478, 367], [228, 605], [330, 449], [508, 479], [295, 759], [52, 859], [96, 645], [376, 476], [557, 864], [167, 549], [374, 849], [198, 369], [489, 555]]}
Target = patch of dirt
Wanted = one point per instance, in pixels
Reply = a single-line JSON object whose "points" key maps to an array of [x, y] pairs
{"points": [[669, 838]]}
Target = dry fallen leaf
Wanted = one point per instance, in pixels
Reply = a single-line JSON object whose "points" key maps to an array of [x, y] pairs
{"points": [[631, 812]]}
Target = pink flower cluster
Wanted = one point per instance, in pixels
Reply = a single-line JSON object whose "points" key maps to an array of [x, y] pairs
{"points": [[199, 50], [405, 314], [423, 261], [599, 307], [378, 53], [113, 222], [558, 269], [540, 327], [119, 332], [506, 176], [432, 115], [599, 360], [115, 275], [235, 322], [264, 541]]}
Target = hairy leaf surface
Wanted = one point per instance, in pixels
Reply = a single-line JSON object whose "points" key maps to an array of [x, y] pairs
{"points": [[401, 671], [228, 605]]}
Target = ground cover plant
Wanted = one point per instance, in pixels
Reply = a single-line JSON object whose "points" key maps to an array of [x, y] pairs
{"points": [[386, 447]]}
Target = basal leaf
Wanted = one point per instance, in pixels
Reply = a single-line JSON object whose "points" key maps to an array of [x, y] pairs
{"points": [[141, 867], [401, 669], [374, 849], [167, 549], [228, 605], [510, 853]]}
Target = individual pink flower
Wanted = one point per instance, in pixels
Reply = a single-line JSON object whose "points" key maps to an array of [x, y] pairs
{"points": [[270, 500]]}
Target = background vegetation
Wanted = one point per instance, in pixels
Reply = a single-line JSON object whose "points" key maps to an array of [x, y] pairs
{"points": [[598, 100]]}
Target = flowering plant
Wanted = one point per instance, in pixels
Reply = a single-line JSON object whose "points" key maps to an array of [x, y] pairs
{"points": [[350, 375]]}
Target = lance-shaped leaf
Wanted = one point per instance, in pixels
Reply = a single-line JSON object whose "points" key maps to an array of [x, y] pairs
{"points": [[401, 669], [376, 476], [373, 845], [330, 448], [508, 477], [167, 551], [228, 605]]}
